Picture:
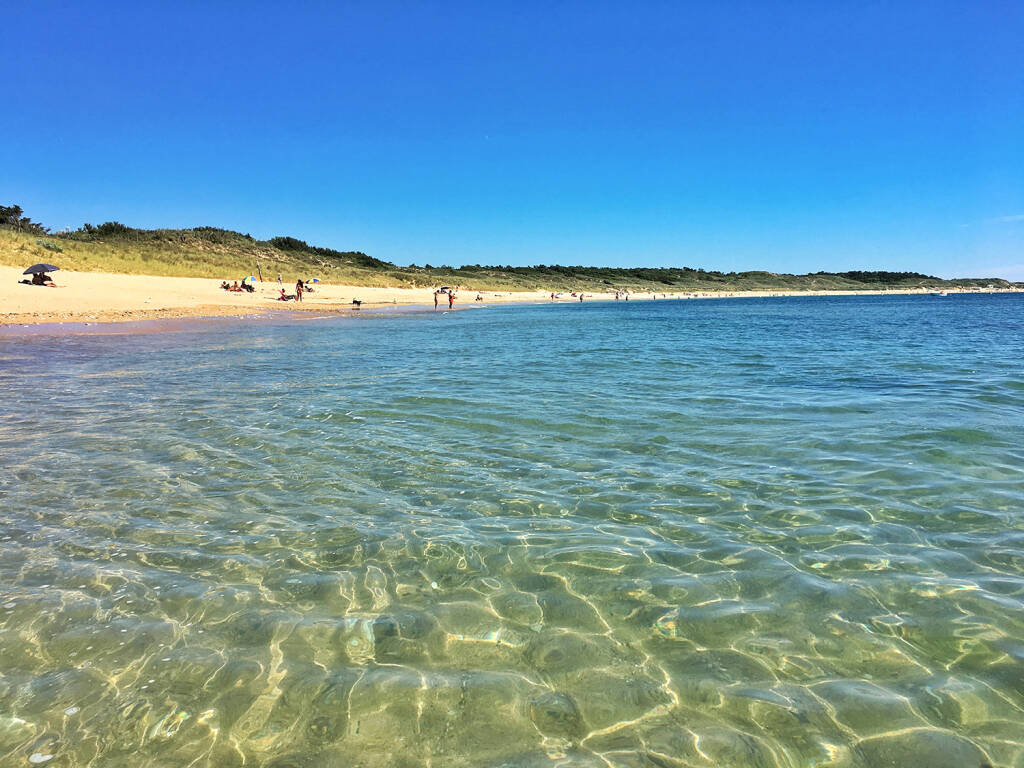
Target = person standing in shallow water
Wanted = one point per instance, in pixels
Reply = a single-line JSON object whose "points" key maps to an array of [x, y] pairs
{"points": [[435, 299], [451, 299], [581, 297]]}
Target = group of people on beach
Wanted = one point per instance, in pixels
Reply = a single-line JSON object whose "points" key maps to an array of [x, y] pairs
{"points": [[574, 294], [238, 288], [451, 297], [301, 287]]}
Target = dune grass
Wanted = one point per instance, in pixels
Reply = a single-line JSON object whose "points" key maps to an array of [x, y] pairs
{"points": [[224, 255], [179, 253]]}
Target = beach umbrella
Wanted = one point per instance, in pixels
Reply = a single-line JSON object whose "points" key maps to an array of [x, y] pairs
{"points": [[315, 280], [39, 268], [250, 277]]}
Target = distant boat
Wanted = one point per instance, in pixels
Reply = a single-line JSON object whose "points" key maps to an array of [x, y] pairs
{"points": [[940, 293]]}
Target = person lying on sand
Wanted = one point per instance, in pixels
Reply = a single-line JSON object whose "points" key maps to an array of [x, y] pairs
{"points": [[284, 296], [40, 279]]}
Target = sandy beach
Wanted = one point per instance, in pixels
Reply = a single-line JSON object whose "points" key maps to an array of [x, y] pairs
{"points": [[103, 297]]}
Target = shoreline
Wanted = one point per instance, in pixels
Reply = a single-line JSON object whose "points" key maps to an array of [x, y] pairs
{"points": [[96, 297]]}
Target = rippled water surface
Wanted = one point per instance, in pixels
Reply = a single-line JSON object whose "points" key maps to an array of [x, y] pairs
{"points": [[747, 533]]}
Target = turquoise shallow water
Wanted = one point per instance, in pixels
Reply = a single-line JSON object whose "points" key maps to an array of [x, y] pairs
{"points": [[758, 533]]}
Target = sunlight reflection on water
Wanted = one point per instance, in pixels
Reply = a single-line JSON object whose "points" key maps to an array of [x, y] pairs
{"points": [[731, 533]]}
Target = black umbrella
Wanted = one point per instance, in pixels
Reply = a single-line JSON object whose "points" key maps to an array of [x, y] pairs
{"points": [[38, 268]]}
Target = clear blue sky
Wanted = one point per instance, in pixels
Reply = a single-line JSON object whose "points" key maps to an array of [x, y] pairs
{"points": [[786, 136]]}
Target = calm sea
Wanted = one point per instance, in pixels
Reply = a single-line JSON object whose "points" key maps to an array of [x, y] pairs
{"points": [[732, 533]]}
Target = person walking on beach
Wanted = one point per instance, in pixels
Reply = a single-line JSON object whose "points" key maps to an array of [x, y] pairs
{"points": [[298, 290], [280, 280]]}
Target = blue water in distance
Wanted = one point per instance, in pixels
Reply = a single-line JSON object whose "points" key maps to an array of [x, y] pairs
{"points": [[779, 532]]}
